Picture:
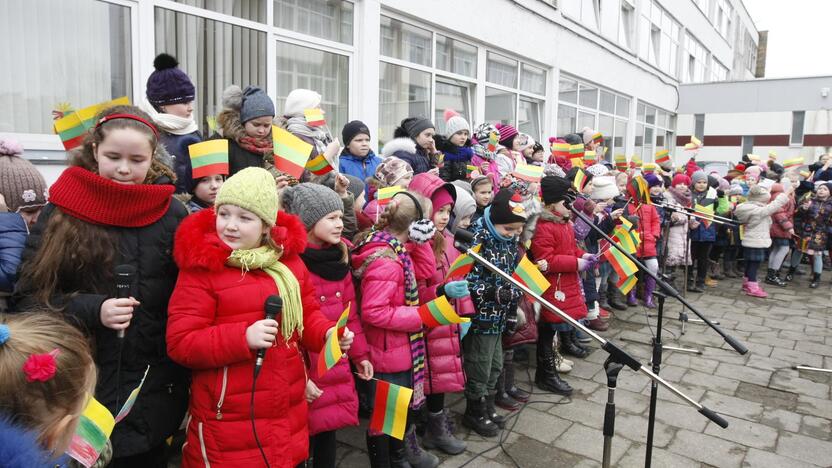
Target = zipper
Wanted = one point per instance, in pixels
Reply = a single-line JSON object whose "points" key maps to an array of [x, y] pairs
{"points": [[202, 447], [222, 394]]}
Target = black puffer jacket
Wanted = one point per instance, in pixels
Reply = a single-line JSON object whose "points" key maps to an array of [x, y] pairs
{"points": [[163, 400]]}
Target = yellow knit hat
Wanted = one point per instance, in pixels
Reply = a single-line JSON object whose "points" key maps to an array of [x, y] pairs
{"points": [[252, 189]]}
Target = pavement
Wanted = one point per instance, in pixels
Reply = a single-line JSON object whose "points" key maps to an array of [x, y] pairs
{"points": [[778, 417]]}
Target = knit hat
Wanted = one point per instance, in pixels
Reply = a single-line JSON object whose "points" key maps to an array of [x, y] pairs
{"points": [[455, 123], [352, 130], [310, 202], [526, 141], [168, 84], [587, 134], [463, 186], [480, 180], [507, 132], [484, 131], [553, 170], [413, 126], [759, 194], [573, 139], [252, 189], [255, 104], [753, 171], [604, 188], [652, 180], [680, 179], [554, 189], [21, 184], [598, 170], [356, 186], [465, 204], [507, 208], [391, 170], [698, 176], [299, 100]]}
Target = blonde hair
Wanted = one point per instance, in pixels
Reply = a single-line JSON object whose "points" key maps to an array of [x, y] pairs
{"points": [[34, 405], [398, 214]]}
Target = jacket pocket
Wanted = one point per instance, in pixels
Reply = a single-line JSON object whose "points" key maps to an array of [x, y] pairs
{"points": [[203, 450], [219, 391]]}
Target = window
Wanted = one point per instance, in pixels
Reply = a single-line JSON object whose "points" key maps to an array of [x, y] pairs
{"points": [[588, 97], [747, 145], [254, 10], [500, 106], [699, 126], [626, 24], [654, 131], [325, 19], [501, 70], [456, 56], [723, 12], [750, 53], [585, 12], [798, 118], [568, 90], [214, 54], [325, 72], [403, 92], [532, 79], [567, 119], [62, 70], [719, 72], [526, 95], [404, 41], [695, 67], [529, 118], [659, 37], [452, 94]]}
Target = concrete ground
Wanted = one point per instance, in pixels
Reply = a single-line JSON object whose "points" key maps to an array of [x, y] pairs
{"points": [[778, 417]]}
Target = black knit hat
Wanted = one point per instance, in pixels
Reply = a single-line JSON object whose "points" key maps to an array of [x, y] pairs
{"points": [[352, 130], [507, 208], [554, 189], [168, 84]]}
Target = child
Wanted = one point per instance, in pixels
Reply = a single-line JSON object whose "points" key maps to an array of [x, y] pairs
{"points": [[484, 159], [554, 243], [205, 182], [46, 376], [432, 262], [538, 157], [232, 259], [390, 317], [332, 396], [497, 232], [649, 230], [357, 159], [392, 172], [464, 208], [246, 122], [782, 231], [421, 132], [294, 121], [703, 235], [678, 251], [456, 147], [170, 103], [755, 214], [114, 206], [815, 215], [483, 193]]}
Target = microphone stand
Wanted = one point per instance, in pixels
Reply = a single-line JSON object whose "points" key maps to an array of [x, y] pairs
{"points": [[462, 243], [666, 290]]}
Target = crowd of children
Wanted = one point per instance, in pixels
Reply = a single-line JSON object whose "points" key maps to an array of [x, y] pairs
{"points": [[210, 244]]}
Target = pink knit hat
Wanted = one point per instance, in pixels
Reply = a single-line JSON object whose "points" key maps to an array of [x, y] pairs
{"points": [[506, 133]]}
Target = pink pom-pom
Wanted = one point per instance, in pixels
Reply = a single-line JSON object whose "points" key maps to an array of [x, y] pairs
{"points": [[450, 113], [9, 147], [498, 125], [41, 367], [552, 139]]}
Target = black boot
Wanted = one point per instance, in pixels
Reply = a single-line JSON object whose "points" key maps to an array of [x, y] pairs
{"points": [[511, 387], [398, 454], [615, 299], [502, 398], [569, 346], [790, 274], [378, 449], [815, 280], [492, 413], [728, 269], [772, 278], [602, 297], [476, 419], [694, 287], [546, 376]]}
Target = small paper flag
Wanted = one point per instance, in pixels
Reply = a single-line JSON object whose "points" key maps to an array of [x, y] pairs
{"points": [[331, 352], [625, 239], [628, 225], [707, 211], [793, 162], [694, 144], [528, 172], [620, 263], [493, 141], [560, 149], [209, 158], [580, 180], [626, 284], [91, 435], [662, 156], [463, 264], [621, 162], [648, 168], [70, 130], [314, 117], [528, 274], [290, 152], [469, 169], [439, 312], [635, 161], [590, 157], [576, 151], [385, 194], [598, 138], [131, 399], [319, 165], [577, 162], [390, 409]]}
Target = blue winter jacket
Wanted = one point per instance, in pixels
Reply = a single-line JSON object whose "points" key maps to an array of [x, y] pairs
{"points": [[357, 166], [13, 234], [702, 233], [177, 146]]}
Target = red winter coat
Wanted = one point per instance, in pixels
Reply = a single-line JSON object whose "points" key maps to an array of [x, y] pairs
{"points": [[649, 229], [555, 242], [209, 312], [386, 321], [783, 220], [337, 407]]}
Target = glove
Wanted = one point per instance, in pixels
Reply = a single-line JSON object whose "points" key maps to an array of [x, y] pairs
{"points": [[588, 256], [456, 289], [504, 295], [511, 322], [720, 193], [583, 265]]}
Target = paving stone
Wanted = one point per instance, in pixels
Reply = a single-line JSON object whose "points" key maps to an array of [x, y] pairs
{"points": [[719, 384], [744, 373], [797, 357], [820, 428], [627, 380], [757, 458], [788, 380], [814, 406], [805, 448], [589, 442], [729, 405], [707, 449], [531, 453], [770, 340], [583, 411], [687, 361], [541, 426], [634, 403], [660, 457], [746, 433], [781, 419], [680, 416], [814, 348], [801, 337], [725, 354], [634, 428]]}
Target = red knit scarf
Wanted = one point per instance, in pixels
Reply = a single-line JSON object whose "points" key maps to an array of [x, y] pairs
{"points": [[94, 199], [261, 146]]}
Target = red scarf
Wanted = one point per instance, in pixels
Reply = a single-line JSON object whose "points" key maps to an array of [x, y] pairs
{"points": [[261, 146], [94, 199]]}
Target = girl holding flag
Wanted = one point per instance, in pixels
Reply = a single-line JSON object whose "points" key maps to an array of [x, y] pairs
{"points": [[303, 117], [649, 230], [246, 122]]}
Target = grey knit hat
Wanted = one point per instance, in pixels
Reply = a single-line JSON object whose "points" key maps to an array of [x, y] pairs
{"points": [[256, 103], [698, 176], [310, 202], [21, 184]]}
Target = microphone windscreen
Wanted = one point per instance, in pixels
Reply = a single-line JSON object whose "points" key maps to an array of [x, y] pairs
{"points": [[464, 237]]}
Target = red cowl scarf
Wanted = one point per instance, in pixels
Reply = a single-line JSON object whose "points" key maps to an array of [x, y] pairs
{"points": [[94, 199]]}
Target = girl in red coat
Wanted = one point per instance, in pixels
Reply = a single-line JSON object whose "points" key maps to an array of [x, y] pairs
{"points": [[554, 245], [649, 230], [333, 402], [231, 260]]}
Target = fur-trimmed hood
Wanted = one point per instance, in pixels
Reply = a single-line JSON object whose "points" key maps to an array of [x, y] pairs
{"points": [[19, 447], [197, 246], [229, 124], [398, 144]]}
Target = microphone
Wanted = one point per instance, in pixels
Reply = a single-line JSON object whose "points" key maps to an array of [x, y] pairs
{"points": [[124, 275], [463, 239], [273, 308]]}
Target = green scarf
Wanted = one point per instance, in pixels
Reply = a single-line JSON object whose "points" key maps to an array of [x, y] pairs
{"points": [[267, 259]]}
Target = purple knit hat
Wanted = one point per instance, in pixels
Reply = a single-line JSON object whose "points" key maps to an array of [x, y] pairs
{"points": [[507, 132], [168, 84], [652, 180]]}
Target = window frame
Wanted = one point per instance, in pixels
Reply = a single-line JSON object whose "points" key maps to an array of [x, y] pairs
{"points": [[802, 128], [656, 128]]}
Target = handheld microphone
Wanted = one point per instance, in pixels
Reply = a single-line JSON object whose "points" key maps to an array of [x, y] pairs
{"points": [[273, 308], [463, 239], [124, 275]]}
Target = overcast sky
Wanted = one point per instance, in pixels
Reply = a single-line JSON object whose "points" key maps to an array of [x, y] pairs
{"points": [[798, 38]]}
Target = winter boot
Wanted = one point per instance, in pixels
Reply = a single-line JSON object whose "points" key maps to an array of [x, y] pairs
{"points": [[728, 269], [602, 298], [492, 413], [502, 398], [569, 346], [378, 449], [716, 270], [398, 454], [438, 434], [815, 280], [598, 324], [476, 419], [693, 286], [773, 278], [744, 284], [562, 365], [649, 287], [631, 298], [790, 274], [709, 282], [511, 387], [754, 290], [416, 455], [546, 377], [615, 299]]}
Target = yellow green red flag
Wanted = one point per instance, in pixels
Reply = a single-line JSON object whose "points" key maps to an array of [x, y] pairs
{"points": [[290, 152], [439, 312], [390, 409], [528, 274]]}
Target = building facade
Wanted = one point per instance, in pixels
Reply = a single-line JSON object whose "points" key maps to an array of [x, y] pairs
{"points": [[790, 116], [548, 67]]}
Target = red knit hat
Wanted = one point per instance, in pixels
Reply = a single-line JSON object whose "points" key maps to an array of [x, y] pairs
{"points": [[680, 179]]}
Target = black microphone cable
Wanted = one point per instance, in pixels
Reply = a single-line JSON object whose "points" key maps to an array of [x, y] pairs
{"points": [[273, 307]]}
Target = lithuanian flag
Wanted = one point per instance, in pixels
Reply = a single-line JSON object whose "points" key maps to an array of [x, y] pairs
{"points": [[576, 151], [620, 263], [493, 141], [528, 274], [290, 152], [627, 239], [469, 169], [621, 162], [638, 190], [560, 149], [528, 172], [385, 194], [793, 162], [209, 158], [331, 352], [390, 409], [463, 264], [70, 130], [92, 433], [577, 162], [626, 284], [662, 156], [580, 180], [707, 211], [590, 157], [314, 117], [439, 312], [319, 165], [598, 138]]}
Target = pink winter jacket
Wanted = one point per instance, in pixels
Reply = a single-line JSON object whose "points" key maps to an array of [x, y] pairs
{"points": [[386, 321], [493, 171], [337, 407]]}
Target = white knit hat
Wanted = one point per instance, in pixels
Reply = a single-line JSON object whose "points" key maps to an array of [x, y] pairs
{"points": [[299, 100], [455, 123], [598, 170], [604, 188]]}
